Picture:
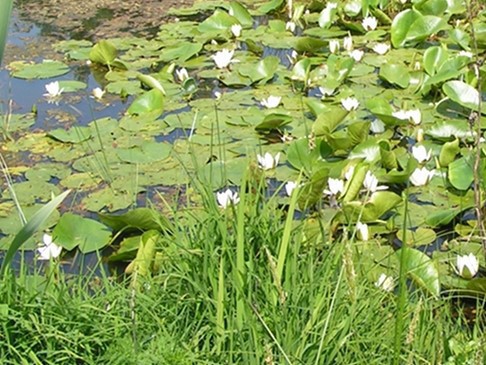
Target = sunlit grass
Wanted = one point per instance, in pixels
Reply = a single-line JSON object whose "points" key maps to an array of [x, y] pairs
{"points": [[217, 296]]}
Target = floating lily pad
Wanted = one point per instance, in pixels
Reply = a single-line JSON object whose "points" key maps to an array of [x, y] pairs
{"points": [[45, 70]]}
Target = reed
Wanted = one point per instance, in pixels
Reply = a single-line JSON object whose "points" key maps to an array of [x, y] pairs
{"points": [[5, 11]]}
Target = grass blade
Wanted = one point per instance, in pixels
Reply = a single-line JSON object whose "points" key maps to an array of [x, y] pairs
{"points": [[5, 10]]}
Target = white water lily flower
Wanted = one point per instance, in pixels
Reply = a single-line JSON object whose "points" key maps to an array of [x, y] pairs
{"points": [[336, 186], [357, 55], [421, 154], [348, 43], [414, 115], [362, 231], [326, 91], [223, 58], [98, 93], [421, 177], [467, 266], [236, 30], [350, 103], [48, 249], [226, 198], [271, 101], [53, 90], [290, 26], [331, 5], [369, 23], [290, 187], [385, 282], [377, 126], [333, 45], [370, 183], [466, 54], [381, 48], [182, 74], [268, 162]]}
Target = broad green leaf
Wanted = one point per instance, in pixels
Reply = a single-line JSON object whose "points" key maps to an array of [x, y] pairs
{"points": [[448, 152], [462, 93], [420, 237], [45, 70], [145, 152], [262, 71], [309, 44], [240, 12], [73, 135], [151, 82], [270, 6], [421, 269], [143, 262], [441, 217], [461, 173], [71, 85], [395, 74], [379, 204], [75, 231], [103, 52], [138, 219], [411, 27], [328, 119], [434, 57], [432, 7], [218, 22], [301, 70], [180, 52], [149, 102], [273, 121]]}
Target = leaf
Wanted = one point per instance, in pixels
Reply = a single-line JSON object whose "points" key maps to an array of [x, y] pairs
{"points": [[138, 219], [353, 186], [411, 27], [270, 6], [462, 93], [395, 74], [434, 57], [327, 17], [273, 121], [103, 52], [145, 152], [420, 237], [461, 173], [301, 156], [262, 71], [448, 152], [379, 203], [309, 44], [421, 269], [180, 52], [149, 102], [45, 70], [73, 135], [441, 217], [75, 231], [30, 228], [240, 12], [71, 85], [151, 82], [142, 264], [218, 22]]}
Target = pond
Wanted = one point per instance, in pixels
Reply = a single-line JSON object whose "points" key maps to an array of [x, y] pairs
{"points": [[370, 121]]}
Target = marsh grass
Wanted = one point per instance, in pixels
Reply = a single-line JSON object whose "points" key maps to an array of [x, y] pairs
{"points": [[5, 11], [223, 292]]}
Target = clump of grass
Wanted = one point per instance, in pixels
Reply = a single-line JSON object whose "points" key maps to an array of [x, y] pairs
{"points": [[241, 285]]}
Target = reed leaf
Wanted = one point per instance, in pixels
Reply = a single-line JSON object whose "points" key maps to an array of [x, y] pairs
{"points": [[5, 10]]}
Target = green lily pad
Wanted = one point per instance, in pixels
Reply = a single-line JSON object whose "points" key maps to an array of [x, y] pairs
{"points": [[145, 152], [86, 234], [45, 70]]}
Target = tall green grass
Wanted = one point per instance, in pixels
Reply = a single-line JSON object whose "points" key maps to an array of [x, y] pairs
{"points": [[242, 285], [5, 11]]}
